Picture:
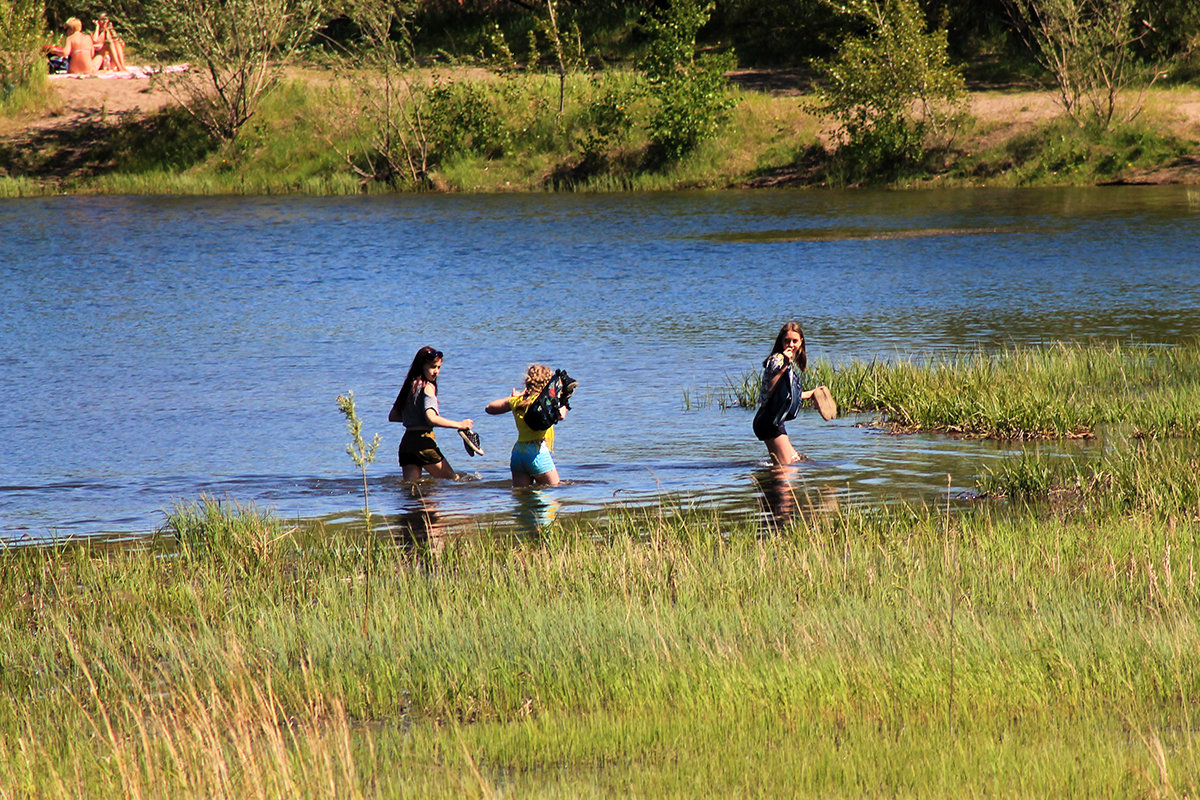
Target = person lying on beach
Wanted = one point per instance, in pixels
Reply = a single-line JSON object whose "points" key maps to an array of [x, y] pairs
{"points": [[78, 48]]}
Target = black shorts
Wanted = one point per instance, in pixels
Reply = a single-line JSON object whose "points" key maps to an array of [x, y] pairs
{"points": [[420, 448], [765, 429]]}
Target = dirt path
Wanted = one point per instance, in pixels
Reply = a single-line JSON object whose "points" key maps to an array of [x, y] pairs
{"points": [[84, 100]]}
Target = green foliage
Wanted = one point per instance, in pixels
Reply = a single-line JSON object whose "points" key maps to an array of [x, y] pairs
{"points": [[689, 91], [606, 120], [462, 118], [1063, 391], [1088, 47], [777, 34], [360, 452], [892, 90], [226, 532], [1063, 153], [388, 99], [21, 63], [240, 45]]}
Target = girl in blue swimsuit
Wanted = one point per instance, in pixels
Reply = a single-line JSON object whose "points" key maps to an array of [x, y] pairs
{"points": [[531, 461]]}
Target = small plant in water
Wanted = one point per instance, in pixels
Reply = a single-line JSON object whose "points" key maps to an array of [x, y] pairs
{"points": [[362, 453]]}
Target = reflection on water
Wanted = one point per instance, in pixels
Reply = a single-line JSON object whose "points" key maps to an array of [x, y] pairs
{"points": [[784, 494], [536, 510], [206, 355]]}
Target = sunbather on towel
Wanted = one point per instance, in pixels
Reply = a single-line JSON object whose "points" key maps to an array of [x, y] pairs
{"points": [[78, 48]]}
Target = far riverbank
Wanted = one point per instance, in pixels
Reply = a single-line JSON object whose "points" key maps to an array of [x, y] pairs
{"points": [[129, 136]]}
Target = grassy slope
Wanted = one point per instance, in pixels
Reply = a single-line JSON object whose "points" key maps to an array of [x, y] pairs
{"points": [[768, 139]]}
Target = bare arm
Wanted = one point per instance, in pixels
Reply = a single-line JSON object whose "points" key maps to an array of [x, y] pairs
{"points": [[501, 406], [444, 422]]}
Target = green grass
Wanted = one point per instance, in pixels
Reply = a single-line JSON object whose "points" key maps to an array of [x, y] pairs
{"points": [[1029, 393], [1059, 153], [898, 652]]}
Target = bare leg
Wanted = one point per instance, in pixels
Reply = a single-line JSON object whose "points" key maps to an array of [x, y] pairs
{"points": [[547, 478], [781, 450], [521, 480], [117, 50], [442, 469], [412, 472]]}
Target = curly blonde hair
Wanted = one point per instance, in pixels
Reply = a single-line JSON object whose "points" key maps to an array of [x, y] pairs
{"points": [[73, 25], [536, 378]]}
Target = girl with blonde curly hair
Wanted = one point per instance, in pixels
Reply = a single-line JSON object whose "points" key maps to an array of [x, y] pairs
{"points": [[531, 461]]}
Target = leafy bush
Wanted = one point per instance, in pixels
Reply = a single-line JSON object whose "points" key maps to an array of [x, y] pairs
{"points": [[240, 45], [607, 120], [1088, 47], [21, 64], [892, 89], [462, 120], [688, 90]]}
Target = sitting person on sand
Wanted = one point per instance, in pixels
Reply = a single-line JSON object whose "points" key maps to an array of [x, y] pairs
{"points": [[108, 45], [78, 48]]}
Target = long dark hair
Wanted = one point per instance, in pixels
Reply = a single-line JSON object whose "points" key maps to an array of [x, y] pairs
{"points": [[801, 359], [424, 357]]}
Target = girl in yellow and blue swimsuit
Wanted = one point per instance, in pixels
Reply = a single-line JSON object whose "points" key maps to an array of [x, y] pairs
{"points": [[531, 461]]}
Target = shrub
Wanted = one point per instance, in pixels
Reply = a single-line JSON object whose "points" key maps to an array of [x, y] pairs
{"points": [[893, 90], [21, 64], [688, 90]]}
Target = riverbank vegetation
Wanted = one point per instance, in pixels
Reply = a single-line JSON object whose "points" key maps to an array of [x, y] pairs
{"points": [[1017, 648], [1064, 391], [379, 96]]}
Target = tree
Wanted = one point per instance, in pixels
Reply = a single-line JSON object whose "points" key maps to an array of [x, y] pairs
{"points": [[1087, 46], [21, 29], [892, 89], [688, 90], [391, 100], [240, 46]]}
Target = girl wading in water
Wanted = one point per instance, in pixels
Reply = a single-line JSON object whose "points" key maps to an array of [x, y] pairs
{"points": [[417, 408], [531, 461], [782, 392]]}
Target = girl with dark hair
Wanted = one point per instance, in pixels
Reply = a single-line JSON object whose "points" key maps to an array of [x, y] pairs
{"points": [[782, 392], [417, 408]]}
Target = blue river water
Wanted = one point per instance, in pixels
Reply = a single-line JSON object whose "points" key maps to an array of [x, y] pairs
{"points": [[159, 348]]}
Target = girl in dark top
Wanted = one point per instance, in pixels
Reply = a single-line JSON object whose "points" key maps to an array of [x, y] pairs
{"points": [[417, 408], [778, 402]]}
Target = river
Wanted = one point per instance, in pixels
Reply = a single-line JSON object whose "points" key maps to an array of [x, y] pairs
{"points": [[160, 348]]}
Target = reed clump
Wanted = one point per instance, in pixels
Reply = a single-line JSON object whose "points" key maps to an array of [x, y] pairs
{"points": [[1061, 391]]}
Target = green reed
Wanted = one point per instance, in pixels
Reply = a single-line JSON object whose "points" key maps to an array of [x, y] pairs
{"points": [[1059, 391], [738, 391]]}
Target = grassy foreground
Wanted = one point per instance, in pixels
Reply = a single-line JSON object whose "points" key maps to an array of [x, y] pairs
{"points": [[903, 654], [1017, 650]]}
